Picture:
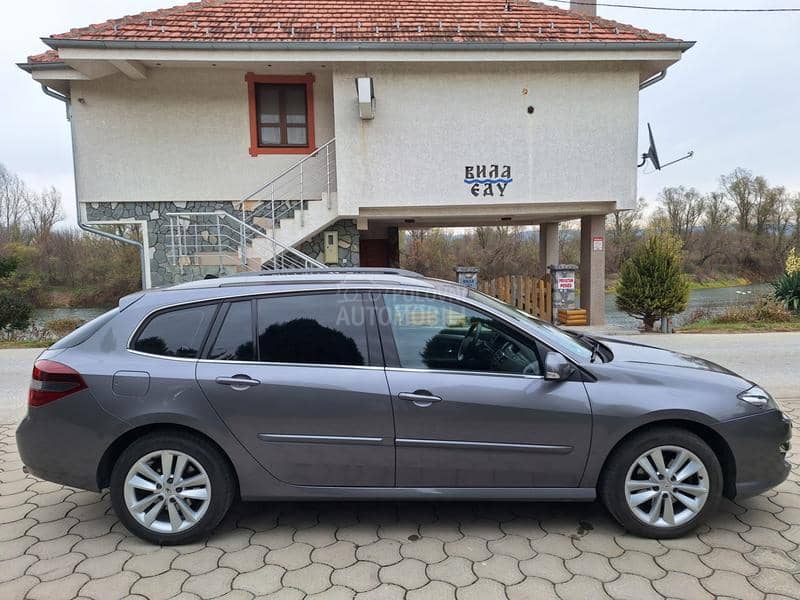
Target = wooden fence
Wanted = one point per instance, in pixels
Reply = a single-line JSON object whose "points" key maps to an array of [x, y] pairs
{"points": [[532, 294]]}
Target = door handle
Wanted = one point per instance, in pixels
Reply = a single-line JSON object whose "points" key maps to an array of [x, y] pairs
{"points": [[420, 398], [238, 382]]}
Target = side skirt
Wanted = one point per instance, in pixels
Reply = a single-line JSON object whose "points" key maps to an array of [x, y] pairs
{"points": [[402, 493]]}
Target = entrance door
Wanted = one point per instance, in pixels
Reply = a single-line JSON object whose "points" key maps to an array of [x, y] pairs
{"points": [[471, 406], [302, 389]]}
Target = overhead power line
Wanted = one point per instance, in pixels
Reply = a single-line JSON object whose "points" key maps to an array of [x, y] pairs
{"points": [[678, 9]]}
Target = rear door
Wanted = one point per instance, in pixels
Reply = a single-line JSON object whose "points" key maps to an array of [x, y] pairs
{"points": [[299, 380], [471, 406]]}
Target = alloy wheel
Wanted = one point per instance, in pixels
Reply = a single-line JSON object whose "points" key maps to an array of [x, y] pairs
{"points": [[666, 486], [167, 491]]}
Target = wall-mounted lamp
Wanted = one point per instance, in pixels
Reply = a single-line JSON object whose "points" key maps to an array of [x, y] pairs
{"points": [[366, 97]]}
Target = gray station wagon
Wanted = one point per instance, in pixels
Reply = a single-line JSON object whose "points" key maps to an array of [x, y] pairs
{"points": [[355, 384]]}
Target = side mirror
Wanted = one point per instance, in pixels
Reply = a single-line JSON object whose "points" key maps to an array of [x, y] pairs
{"points": [[556, 367]]}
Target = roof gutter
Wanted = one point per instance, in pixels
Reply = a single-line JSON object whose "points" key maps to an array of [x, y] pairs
{"points": [[117, 238], [30, 67], [57, 43], [653, 80]]}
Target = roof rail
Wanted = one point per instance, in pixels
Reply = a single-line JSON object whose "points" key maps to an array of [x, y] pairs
{"points": [[334, 271]]}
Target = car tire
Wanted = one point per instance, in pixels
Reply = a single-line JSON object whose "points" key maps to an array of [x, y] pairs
{"points": [[665, 501], [141, 492]]}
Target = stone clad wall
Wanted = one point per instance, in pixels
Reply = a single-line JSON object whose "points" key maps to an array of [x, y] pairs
{"points": [[163, 272], [348, 244]]}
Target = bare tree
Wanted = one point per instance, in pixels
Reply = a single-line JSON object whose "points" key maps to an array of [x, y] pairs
{"points": [[738, 187], [623, 233], [795, 208], [44, 211], [14, 199], [718, 213], [682, 208]]}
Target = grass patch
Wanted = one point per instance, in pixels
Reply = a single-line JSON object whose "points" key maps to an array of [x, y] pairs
{"points": [[713, 284], [14, 344], [708, 326]]}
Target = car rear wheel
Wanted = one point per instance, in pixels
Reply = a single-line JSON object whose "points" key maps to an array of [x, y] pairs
{"points": [[171, 488], [662, 483]]}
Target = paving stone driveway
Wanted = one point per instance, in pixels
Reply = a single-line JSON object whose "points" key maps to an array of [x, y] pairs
{"points": [[57, 542]]}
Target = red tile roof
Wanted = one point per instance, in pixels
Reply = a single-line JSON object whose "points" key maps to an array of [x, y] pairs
{"points": [[360, 21], [51, 56]]}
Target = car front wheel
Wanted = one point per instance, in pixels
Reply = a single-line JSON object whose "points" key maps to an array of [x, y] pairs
{"points": [[662, 483], [171, 488]]}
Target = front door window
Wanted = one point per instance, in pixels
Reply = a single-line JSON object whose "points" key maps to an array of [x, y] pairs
{"points": [[434, 334]]}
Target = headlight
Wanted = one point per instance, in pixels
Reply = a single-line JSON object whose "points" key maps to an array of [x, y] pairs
{"points": [[759, 397]]}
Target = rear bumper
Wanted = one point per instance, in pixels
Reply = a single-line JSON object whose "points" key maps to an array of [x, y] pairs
{"points": [[64, 441], [759, 444]]}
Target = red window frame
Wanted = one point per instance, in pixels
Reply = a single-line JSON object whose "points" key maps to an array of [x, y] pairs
{"points": [[252, 80]]}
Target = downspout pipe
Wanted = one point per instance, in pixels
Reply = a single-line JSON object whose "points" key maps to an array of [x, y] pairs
{"points": [[653, 80], [112, 236]]}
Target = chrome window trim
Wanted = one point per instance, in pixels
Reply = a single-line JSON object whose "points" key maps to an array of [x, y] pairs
{"points": [[457, 372], [161, 356], [286, 364]]}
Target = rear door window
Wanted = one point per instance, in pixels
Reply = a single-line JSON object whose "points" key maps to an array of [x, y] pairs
{"points": [[322, 329], [178, 333], [235, 338]]}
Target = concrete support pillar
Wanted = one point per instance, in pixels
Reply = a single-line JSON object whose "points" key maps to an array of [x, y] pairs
{"points": [[548, 246], [593, 267]]}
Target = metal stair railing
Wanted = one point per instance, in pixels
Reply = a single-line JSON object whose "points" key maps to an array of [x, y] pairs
{"points": [[310, 179], [195, 236]]}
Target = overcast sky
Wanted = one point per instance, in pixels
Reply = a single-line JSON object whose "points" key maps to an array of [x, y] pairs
{"points": [[734, 98]]}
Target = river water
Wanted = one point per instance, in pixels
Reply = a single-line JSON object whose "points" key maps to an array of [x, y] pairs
{"points": [[714, 300]]}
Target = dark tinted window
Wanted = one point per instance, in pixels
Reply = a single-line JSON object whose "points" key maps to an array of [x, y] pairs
{"points": [[315, 329], [176, 332], [435, 334], [235, 338]]}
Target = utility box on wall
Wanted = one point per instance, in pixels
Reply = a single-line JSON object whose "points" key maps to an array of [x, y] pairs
{"points": [[331, 247], [467, 276], [564, 287]]}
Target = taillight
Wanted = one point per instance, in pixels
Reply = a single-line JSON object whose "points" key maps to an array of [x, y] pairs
{"points": [[51, 381]]}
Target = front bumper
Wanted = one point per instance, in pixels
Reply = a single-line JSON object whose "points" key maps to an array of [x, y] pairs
{"points": [[759, 444], [65, 440]]}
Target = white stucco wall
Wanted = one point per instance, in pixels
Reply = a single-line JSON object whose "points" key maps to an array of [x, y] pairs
{"points": [[580, 144], [183, 134], [179, 135]]}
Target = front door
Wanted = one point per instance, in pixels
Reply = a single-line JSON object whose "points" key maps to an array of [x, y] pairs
{"points": [[303, 388], [471, 406]]}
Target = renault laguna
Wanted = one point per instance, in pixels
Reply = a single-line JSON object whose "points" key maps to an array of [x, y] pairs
{"points": [[382, 384]]}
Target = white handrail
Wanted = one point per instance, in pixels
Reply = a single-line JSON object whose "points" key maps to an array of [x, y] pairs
{"points": [[244, 239], [289, 170]]}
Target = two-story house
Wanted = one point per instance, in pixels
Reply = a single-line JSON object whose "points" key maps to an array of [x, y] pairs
{"points": [[250, 134]]}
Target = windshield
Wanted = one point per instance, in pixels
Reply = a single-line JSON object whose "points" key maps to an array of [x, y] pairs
{"points": [[548, 333]]}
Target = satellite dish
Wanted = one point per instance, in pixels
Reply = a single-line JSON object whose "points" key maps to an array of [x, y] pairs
{"points": [[652, 153]]}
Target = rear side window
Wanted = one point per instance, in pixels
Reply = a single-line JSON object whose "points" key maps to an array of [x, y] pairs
{"points": [[235, 338], [180, 332], [84, 332], [326, 329]]}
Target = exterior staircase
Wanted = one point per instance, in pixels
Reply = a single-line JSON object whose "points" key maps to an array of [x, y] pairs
{"points": [[268, 224]]}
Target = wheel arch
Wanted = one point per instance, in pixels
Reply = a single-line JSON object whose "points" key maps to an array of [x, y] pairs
{"points": [[717, 443], [117, 447]]}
